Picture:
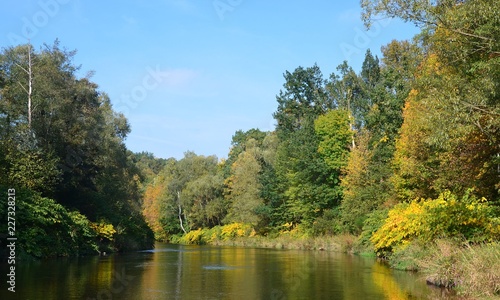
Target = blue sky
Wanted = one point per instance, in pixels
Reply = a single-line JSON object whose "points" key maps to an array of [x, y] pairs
{"points": [[189, 73]]}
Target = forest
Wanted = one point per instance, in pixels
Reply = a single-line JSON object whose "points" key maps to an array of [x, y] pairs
{"points": [[414, 133], [77, 189], [400, 155]]}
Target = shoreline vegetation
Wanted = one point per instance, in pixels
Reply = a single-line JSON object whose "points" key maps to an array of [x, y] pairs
{"points": [[400, 160], [470, 271]]}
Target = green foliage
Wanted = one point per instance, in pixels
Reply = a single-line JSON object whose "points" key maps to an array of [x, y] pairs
{"points": [[185, 194], [243, 187], [45, 228], [335, 135], [328, 223], [447, 216], [371, 224], [69, 150]]}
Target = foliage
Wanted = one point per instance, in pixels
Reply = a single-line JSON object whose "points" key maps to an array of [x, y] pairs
{"points": [[371, 224], [333, 130], [304, 181], [447, 216], [69, 152], [217, 233], [328, 224], [104, 230], [48, 229], [185, 194], [243, 187]]}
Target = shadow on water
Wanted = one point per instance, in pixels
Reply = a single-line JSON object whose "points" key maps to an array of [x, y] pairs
{"points": [[206, 272]]}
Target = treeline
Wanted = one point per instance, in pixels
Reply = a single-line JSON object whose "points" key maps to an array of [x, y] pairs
{"points": [[405, 150], [62, 149]]}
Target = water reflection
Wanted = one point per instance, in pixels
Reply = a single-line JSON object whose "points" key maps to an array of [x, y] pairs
{"points": [[193, 272]]}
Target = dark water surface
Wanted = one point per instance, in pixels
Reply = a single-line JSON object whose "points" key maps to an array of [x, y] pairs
{"points": [[207, 272]]}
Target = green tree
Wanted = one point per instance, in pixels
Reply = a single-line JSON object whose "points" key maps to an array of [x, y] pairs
{"points": [[192, 197], [243, 186], [69, 144], [303, 176], [334, 134], [385, 86]]}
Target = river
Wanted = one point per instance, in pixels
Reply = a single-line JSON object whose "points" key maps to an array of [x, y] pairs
{"points": [[208, 272]]}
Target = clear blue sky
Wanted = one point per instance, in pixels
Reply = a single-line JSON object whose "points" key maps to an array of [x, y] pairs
{"points": [[189, 73]]}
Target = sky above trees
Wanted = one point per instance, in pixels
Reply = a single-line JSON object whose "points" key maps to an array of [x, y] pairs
{"points": [[188, 74]]}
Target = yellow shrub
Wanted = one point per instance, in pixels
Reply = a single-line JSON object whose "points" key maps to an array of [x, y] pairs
{"points": [[470, 218], [236, 230], [193, 237]]}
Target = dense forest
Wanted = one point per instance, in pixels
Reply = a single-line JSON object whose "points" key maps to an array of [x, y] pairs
{"points": [[404, 151], [77, 189]]}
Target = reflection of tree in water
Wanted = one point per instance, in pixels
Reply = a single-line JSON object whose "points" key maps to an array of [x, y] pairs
{"points": [[405, 285]]}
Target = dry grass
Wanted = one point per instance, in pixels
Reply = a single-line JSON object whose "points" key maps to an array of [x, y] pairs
{"points": [[339, 243], [474, 271]]}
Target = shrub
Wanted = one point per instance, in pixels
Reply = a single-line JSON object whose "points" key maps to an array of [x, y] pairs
{"points": [[217, 233], [46, 228], [470, 218], [236, 230]]}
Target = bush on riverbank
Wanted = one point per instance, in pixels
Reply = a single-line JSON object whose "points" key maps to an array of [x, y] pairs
{"points": [[45, 228], [447, 216], [452, 241]]}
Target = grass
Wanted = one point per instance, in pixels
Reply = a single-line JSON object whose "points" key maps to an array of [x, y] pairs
{"points": [[339, 243], [473, 271]]}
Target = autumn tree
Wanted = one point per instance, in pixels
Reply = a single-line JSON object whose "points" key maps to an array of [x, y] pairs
{"points": [[456, 90], [384, 86]]}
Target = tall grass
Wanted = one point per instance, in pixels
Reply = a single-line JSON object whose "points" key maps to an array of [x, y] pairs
{"points": [[339, 243], [473, 271]]}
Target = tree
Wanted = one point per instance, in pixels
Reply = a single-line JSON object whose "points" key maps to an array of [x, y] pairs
{"points": [[346, 92], [384, 88], [303, 99], [192, 194], [456, 90], [243, 186], [303, 176], [69, 144], [335, 134], [238, 145]]}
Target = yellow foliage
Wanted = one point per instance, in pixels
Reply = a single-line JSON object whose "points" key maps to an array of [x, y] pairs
{"points": [[193, 237], [212, 235], [236, 230], [445, 216], [103, 230]]}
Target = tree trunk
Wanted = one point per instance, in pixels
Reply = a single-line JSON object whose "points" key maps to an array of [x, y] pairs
{"points": [[180, 211], [30, 82]]}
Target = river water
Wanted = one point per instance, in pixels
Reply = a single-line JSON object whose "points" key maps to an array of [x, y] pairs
{"points": [[208, 272]]}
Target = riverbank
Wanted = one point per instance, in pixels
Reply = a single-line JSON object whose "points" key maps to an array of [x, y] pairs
{"points": [[472, 271]]}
